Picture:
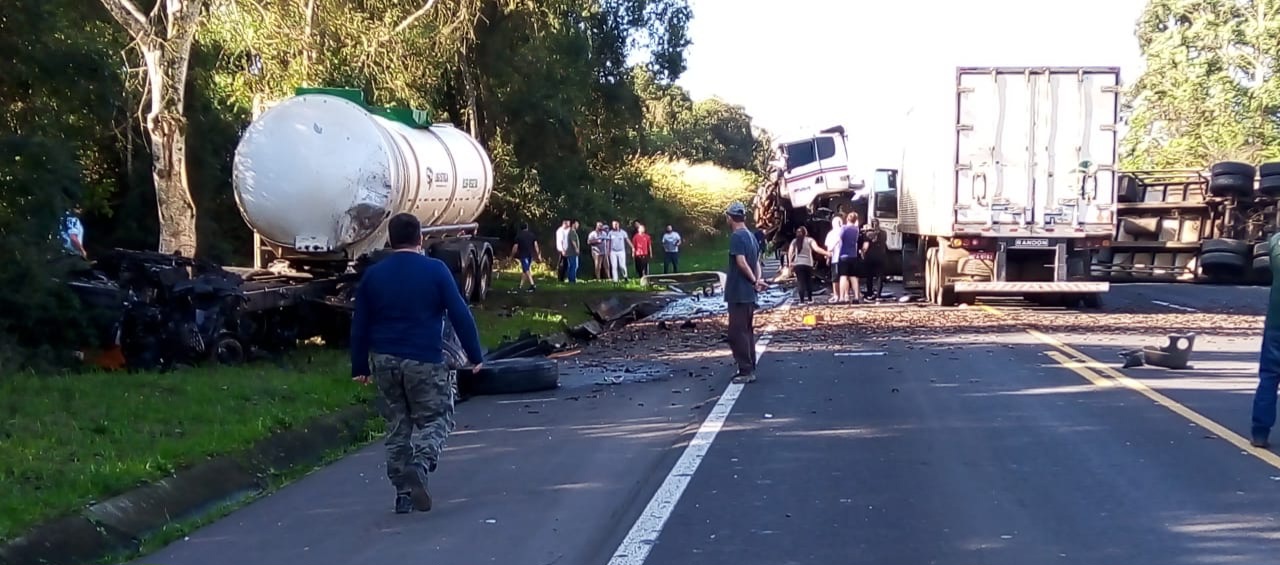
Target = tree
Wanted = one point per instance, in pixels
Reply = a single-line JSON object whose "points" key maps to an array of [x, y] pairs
{"points": [[1210, 90], [163, 39]]}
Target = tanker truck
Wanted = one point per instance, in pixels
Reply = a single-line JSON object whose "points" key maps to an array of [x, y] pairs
{"points": [[317, 176]]}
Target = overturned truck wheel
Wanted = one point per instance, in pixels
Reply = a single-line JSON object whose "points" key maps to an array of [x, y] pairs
{"points": [[511, 376]]}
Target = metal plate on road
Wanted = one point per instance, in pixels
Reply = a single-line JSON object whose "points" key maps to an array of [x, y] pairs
{"points": [[1031, 242]]}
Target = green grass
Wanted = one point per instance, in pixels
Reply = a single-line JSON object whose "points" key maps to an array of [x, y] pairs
{"points": [[67, 441], [708, 255], [499, 324]]}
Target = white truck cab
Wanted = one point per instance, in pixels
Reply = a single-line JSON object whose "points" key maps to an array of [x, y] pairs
{"points": [[814, 167]]}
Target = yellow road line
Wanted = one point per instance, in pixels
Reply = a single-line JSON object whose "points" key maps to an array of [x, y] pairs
{"points": [[1195, 417], [1081, 369]]}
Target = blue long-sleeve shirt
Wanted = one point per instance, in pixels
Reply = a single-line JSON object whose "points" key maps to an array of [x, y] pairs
{"points": [[400, 307]]}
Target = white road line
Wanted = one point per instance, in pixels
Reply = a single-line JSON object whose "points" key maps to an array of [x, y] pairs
{"points": [[1174, 306], [634, 549], [861, 353]]}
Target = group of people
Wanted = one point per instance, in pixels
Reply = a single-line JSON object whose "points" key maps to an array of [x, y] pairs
{"points": [[855, 256], [609, 244]]}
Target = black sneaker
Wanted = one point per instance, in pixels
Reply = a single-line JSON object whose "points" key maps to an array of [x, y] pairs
{"points": [[404, 504]]}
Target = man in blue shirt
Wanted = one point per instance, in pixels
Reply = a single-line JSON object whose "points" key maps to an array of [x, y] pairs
{"points": [[399, 322], [743, 280]]}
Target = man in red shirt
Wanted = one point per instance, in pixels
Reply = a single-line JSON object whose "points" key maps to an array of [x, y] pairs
{"points": [[642, 242]]}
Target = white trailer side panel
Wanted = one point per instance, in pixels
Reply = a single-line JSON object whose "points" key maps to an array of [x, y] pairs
{"points": [[1032, 152]]}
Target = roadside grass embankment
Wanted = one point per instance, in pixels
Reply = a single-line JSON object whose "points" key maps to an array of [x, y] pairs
{"points": [[67, 441]]}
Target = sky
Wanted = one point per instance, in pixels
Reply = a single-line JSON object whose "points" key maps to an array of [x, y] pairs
{"points": [[798, 66]]}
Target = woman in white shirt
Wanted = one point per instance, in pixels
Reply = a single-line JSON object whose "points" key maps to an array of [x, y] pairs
{"points": [[802, 249], [833, 250]]}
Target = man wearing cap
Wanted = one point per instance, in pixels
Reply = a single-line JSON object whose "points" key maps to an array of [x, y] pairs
{"points": [[742, 281]]}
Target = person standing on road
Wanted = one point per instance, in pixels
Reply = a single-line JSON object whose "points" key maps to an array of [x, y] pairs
{"points": [[849, 260], [832, 244], [599, 243], [1264, 398], [643, 246], [400, 306], [743, 281], [618, 244], [801, 258], [562, 247], [573, 250], [875, 253], [527, 251], [671, 250]]}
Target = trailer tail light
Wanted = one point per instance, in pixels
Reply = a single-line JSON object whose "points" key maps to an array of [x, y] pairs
{"points": [[969, 243], [1094, 243]]}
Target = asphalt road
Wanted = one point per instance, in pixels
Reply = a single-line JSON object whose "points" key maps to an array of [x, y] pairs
{"points": [[883, 435]]}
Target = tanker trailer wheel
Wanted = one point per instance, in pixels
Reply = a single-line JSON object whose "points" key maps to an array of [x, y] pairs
{"points": [[511, 376], [467, 275], [484, 278], [227, 350], [930, 258]]}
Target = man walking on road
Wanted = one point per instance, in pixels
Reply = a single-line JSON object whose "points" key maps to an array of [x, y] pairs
{"points": [[744, 279], [400, 307]]}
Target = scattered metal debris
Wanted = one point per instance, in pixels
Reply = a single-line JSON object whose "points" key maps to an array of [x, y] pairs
{"points": [[1174, 355]]}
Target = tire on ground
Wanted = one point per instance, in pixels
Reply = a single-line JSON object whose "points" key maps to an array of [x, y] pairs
{"points": [[1221, 260], [1269, 169], [1269, 186], [1230, 246], [1233, 168], [513, 376], [1231, 185], [1262, 264], [1092, 300]]}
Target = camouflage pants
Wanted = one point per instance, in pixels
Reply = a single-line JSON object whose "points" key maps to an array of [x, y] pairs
{"points": [[416, 399]]}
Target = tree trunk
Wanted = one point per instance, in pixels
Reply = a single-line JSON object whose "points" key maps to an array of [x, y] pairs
{"points": [[164, 39], [168, 129]]}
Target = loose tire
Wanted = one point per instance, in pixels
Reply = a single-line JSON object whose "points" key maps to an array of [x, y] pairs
{"points": [[1230, 246], [513, 376], [1262, 249], [1271, 169]]}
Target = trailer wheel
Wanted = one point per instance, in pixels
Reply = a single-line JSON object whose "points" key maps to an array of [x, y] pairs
{"points": [[1262, 249], [484, 278], [1221, 263], [1262, 269], [1231, 246], [1269, 186], [227, 350], [467, 278], [512, 376], [1224, 186], [930, 276], [1233, 168]]}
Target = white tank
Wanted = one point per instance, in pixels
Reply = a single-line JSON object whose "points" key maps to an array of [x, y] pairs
{"points": [[318, 173]]}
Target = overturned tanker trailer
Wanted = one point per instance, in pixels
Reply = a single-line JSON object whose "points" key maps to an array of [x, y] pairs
{"points": [[316, 177]]}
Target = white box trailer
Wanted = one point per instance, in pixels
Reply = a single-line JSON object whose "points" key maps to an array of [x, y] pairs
{"points": [[1014, 192]]}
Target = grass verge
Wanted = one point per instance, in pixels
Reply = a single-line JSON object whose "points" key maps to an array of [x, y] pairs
{"points": [[68, 441]]}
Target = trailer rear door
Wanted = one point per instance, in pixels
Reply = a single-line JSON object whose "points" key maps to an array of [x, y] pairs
{"points": [[1036, 150]]}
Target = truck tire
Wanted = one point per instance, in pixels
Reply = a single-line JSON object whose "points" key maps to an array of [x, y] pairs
{"points": [[484, 278], [1230, 246], [1271, 169], [1233, 168], [1262, 249], [1269, 186], [931, 275], [1262, 264], [1226, 186], [512, 376], [467, 278], [1221, 262]]}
